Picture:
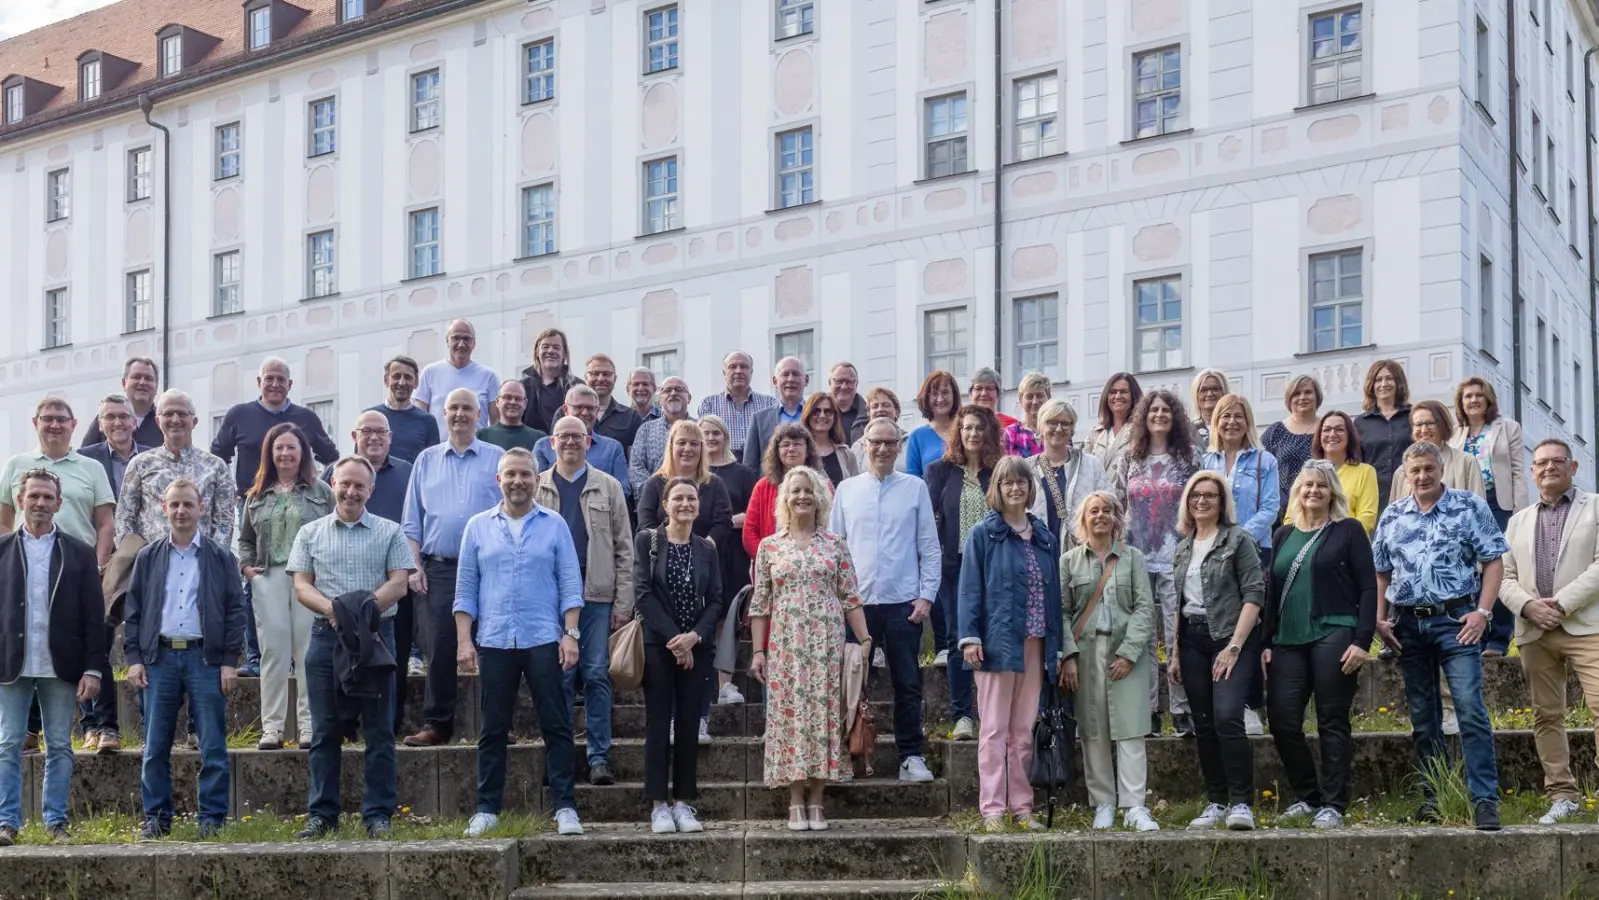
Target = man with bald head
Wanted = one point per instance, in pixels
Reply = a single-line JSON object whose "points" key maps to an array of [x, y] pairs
{"points": [[450, 483], [512, 430], [457, 370], [603, 453], [736, 404], [649, 446], [790, 379]]}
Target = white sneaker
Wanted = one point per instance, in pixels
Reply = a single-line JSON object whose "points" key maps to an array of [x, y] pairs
{"points": [[1241, 818], [1030, 822], [1300, 810], [566, 821], [705, 732], [1559, 812], [1451, 723], [661, 819], [914, 768], [1327, 817], [1104, 817], [416, 667], [1252, 724], [879, 661], [942, 659], [688, 820], [965, 729], [481, 824], [1139, 819], [993, 824], [1210, 818], [729, 694]]}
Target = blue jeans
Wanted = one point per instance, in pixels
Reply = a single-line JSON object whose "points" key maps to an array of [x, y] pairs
{"points": [[500, 674], [1503, 625], [594, 659], [176, 673], [901, 642], [330, 709], [962, 690], [1428, 645], [58, 701]]}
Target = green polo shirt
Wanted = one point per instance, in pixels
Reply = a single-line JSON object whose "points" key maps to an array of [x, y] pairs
{"points": [[84, 488]]}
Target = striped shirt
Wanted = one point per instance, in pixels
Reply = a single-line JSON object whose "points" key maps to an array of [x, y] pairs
{"points": [[343, 556], [735, 415]]}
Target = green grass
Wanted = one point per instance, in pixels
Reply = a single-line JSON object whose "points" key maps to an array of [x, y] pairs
{"points": [[266, 827]]}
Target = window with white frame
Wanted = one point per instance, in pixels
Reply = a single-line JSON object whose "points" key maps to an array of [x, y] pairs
{"points": [[660, 39], [1571, 67], [1549, 159], [796, 168], [538, 220], [1336, 67], [1159, 326], [58, 195], [660, 196], [89, 80], [1487, 308], [260, 27], [1037, 329], [1576, 397], [795, 17], [662, 362], [1484, 65], [138, 303], [1537, 153], [945, 135], [799, 344], [1157, 92], [171, 55], [225, 298], [352, 9], [56, 316], [139, 174], [1554, 368], [16, 103], [1571, 213], [425, 242], [320, 265], [1035, 106], [324, 410], [1543, 359], [228, 151], [425, 100], [324, 126], [946, 341], [539, 63], [1337, 300]]}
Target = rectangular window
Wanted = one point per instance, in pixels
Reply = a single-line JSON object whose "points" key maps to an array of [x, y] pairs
{"points": [[660, 196], [89, 80], [55, 319], [425, 100], [171, 56], [324, 412], [58, 202], [1554, 366], [225, 298], [538, 220], [352, 9], [1537, 153], [660, 39], [1543, 359], [540, 60], [1571, 68], [1337, 300], [228, 151], [1335, 55], [1037, 332], [945, 135], [946, 338], [1035, 107], [1159, 303], [799, 344], [663, 363], [1487, 309], [139, 174], [16, 104], [139, 307], [322, 278], [324, 126], [1571, 213], [796, 168], [425, 243], [1576, 397], [1549, 158], [795, 17], [260, 27], [1484, 65], [1157, 92]]}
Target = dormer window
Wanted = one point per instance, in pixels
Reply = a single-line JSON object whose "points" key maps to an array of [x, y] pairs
{"points": [[179, 48], [260, 27], [24, 96], [352, 9], [16, 104], [89, 80], [266, 21], [171, 55], [101, 73]]}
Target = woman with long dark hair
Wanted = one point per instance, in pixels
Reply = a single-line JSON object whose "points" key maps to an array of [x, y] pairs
{"points": [[1338, 442], [791, 446], [1109, 438], [937, 400], [1384, 423], [820, 418]]}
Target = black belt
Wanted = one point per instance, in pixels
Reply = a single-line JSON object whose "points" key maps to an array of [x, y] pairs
{"points": [[1430, 610], [1197, 621], [180, 643], [434, 557]]}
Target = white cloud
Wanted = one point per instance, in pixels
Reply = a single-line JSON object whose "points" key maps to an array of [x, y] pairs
{"points": [[18, 16]]}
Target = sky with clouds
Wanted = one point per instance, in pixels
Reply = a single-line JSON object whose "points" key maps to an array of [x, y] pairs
{"points": [[18, 16]]}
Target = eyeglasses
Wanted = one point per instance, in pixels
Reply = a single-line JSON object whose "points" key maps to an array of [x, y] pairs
{"points": [[674, 390], [55, 420], [1550, 462], [372, 432], [1204, 496], [568, 437], [116, 417]]}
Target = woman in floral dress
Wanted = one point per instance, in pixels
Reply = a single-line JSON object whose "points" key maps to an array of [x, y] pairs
{"points": [[804, 590]]}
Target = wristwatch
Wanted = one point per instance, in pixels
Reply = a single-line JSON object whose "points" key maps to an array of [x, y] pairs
{"points": [[1234, 648], [1487, 615], [574, 634]]}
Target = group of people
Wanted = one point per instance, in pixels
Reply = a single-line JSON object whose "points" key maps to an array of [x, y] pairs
{"points": [[506, 527]]}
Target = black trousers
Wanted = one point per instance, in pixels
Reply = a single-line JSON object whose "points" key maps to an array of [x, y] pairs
{"points": [[404, 639], [673, 691], [1297, 673], [435, 620], [1225, 760]]}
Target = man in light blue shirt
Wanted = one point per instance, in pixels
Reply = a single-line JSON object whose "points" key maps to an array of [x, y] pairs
{"points": [[519, 583], [886, 517], [605, 454], [450, 483]]}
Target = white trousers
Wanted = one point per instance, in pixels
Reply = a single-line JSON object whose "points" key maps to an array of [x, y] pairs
{"points": [[1111, 782], [283, 626]]}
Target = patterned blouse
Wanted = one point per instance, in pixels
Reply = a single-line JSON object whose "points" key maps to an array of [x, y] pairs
{"points": [[1292, 451], [973, 505], [285, 522], [1481, 448], [1035, 592], [1019, 440], [680, 585]]}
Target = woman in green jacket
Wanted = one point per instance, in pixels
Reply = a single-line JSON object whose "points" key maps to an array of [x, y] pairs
{"points": [[1107, 661]]}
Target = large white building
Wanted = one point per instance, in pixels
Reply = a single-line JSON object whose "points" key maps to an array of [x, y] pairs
{"points": [[1078, 186]]}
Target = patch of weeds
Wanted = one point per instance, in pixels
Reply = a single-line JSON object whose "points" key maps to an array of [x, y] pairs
{"points": [[1208, 885]]}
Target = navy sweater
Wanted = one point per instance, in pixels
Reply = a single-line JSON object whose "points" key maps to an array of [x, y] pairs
{"points": [[245, 427]]}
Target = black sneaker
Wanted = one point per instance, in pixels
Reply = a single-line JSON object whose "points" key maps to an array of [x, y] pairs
{"points": [[8, 835], [1154, 725], [209, 829], [600, 774], [1387, 653], [378, 828], [316, 827], [1427, 814], [1487, 815], [1183, 725], [153, 831], [58, 832]]}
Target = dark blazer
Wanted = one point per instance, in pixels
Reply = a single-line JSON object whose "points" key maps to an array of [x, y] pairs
{"points": [[762, 424], [102, 454], [77, 609], [362, 663], [147, 432], [944, 487], [221, 603], [1343, 580], [619, 423], [991, 606], [652, 597], [715, 520]]}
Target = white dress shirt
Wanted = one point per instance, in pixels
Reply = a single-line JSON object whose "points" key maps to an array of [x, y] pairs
{"points": [[888, 525], [36, 661], [180, 610]]}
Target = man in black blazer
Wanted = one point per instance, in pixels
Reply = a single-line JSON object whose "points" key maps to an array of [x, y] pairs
{"points": [[790, 379], [52, 643]]}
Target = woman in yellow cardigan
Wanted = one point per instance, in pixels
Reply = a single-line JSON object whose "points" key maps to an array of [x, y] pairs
{"points": [[1337, 441]]}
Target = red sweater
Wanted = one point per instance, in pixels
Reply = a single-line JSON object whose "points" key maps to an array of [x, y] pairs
{"points": [[760, 520]]}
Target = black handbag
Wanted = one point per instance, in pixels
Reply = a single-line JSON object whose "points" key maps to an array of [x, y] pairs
{"points": [[1054, 748]]}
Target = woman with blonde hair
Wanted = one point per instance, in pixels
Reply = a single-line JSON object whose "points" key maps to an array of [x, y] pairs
{"points": [[686, 458], [1022, 437], [1384, 423], [1209, 386], [804, 592], [1109, 618], [1496, 443], [1251, 470], [1066, 474]]}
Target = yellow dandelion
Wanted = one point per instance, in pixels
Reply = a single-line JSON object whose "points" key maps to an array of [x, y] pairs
{"points": [[1382, 709], [1266, 794]]}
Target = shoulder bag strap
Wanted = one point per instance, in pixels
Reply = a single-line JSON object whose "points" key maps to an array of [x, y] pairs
{"points": [[1299, 558], [1093, 601]]}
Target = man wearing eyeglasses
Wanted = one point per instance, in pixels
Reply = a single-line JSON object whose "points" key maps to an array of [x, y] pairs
{"points": [[1551, 583], [603, 453], [649, 445]]}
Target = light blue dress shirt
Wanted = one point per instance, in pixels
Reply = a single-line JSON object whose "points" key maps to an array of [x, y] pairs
{"points": [[604, 454], [1254, 483], [446, 489], [893, 541], [180, 609], [36, 661], [518, 586]]}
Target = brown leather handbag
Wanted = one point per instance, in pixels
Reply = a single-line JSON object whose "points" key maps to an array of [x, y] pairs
{"points": [[863, 737]]}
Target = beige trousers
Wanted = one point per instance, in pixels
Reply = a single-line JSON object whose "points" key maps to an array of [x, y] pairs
{"points": [[1544, 660], [283, 626]]}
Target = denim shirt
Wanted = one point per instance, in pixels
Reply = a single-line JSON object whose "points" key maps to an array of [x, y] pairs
{"points": [[518, 587], [1254, 482]]}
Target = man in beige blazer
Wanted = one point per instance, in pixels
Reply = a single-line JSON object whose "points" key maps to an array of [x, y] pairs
{"points": [[1551, 583]]}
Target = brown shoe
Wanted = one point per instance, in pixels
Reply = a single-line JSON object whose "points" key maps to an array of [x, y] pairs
{"points": [[109, 743], [91, 740], [427, 737]]}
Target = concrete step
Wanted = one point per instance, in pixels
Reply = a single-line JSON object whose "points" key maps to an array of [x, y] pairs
{"points": [[767, 890]]}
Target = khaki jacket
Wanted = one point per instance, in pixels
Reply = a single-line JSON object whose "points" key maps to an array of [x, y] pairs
{"points": [[609, 572], [1576, 570], [1131, 604]]}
